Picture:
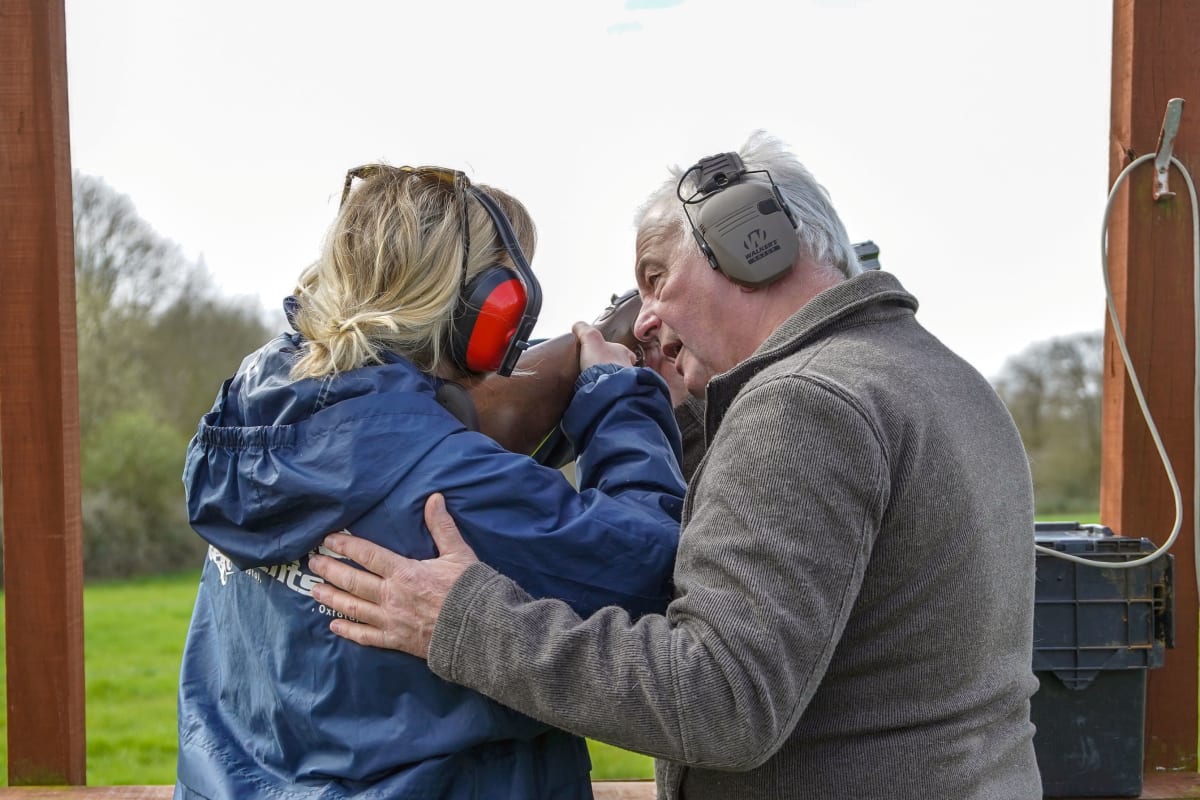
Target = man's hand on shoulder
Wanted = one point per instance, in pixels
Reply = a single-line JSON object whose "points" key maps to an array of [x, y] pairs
{"points": [[393, 602]]}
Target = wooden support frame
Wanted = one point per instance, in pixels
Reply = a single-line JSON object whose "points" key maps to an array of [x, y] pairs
{"points": [[1156, 57], [39, 408]]}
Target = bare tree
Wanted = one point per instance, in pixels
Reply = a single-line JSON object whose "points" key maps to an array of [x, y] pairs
{"points": [[155, 341], [124, 271]]}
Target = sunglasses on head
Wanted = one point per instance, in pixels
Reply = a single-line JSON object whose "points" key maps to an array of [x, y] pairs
{"points": [[458, 181]]}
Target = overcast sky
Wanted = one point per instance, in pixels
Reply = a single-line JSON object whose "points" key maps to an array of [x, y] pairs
{"points": [[968, 139]]}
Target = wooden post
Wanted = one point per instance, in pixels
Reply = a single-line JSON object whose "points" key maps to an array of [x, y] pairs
{"points": [[1156, 57], [39, 409]]}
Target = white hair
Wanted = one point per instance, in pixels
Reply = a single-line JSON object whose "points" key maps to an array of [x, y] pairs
{"points": [[822, 236]]}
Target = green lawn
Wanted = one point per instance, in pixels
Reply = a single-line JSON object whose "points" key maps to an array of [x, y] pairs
{"points": [[133, 640], [1082, 517]]}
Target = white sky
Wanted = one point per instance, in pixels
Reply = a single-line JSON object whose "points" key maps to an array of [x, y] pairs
{"points": [[968, 139]]}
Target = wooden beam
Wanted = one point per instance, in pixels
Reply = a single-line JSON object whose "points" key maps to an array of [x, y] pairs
{"points": [[1156, 57], [1156, 786], [603, 790], [39, 414]]}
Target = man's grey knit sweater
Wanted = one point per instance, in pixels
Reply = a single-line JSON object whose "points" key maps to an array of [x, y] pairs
{"points": [[854, 585]]}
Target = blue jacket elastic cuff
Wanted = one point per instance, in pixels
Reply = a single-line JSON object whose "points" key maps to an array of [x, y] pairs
{"points": [[593, 373]]}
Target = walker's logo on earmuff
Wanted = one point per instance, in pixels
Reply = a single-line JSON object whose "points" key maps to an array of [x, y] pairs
{"points": [[757, 246], [735, 216]]}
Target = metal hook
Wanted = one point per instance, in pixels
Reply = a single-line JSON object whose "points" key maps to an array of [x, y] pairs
{"points": [[1166, 144]]}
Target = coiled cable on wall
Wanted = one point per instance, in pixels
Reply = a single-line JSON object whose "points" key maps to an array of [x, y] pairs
{"points": [[1119, 337]]}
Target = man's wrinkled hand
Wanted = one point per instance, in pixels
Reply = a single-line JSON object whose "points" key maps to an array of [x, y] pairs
{"points": [[393, 602]]}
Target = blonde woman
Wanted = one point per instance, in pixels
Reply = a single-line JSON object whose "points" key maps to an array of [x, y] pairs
{"points": [[337, 425]]}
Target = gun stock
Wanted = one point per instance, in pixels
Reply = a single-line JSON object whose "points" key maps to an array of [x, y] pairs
{"points": [[522, 411]]}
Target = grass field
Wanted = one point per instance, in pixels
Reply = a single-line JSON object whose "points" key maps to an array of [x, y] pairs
{"points": [[1083, 518], [133, 641]]}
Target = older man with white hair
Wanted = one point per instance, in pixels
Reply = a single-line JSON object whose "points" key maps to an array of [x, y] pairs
{"points": [[853, 590]]}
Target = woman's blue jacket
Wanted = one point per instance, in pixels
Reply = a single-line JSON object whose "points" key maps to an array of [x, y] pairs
{"points": [[271, 703]]}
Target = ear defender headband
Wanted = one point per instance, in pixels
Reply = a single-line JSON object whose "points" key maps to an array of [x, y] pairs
{"points": [[498, 308], [745, 228]]}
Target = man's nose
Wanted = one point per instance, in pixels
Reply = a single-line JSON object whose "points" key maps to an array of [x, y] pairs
{"points": [[645, 327]]}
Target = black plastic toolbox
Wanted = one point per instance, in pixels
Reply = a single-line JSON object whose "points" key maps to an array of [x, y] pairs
{"points": [[1095, 633]]}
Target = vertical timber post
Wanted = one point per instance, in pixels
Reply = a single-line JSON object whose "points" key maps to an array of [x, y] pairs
{"points": [[1156, 57], [39, 409]]}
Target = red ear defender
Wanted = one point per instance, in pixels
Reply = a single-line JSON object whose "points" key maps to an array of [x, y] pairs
{"points": [[498, 309], [488, 316]]}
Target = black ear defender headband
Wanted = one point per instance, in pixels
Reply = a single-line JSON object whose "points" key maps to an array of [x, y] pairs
{"points": [[744, 228], [499, 307]]}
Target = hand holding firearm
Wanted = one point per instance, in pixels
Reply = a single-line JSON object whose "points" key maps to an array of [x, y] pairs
{"points": [[522, 411]]}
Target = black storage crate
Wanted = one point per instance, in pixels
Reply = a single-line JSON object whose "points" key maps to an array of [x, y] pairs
{"points": [[1095, 633]]}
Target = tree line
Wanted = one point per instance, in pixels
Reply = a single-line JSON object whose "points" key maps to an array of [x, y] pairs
{"points": [[156, 339], [1053, 391]]}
